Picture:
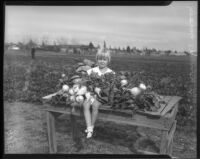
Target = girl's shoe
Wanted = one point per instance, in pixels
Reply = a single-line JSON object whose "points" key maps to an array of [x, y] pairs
{"points": [[89, 134], [91, 128]]}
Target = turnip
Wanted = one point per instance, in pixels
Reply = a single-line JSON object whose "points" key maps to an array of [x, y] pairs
{"points": [[124, 82], [72, 98], [142, 86], [65, 88], [97, 90], [79, 99], [135, 91], [63, 75]]}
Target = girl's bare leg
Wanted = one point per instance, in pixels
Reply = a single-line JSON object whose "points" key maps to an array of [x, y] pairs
{"points": [[87, 114], [95, 110]]}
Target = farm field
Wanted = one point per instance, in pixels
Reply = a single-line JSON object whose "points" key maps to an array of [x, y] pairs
{"points": [[167, 76]]}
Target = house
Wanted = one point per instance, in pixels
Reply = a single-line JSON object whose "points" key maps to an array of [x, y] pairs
{"points": [[77, 49], [13, 47], [177, 54], [162, 53], [155, 53]]}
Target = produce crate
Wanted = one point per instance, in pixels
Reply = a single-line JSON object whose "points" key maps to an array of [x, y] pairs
{"points": [[163, 119]]}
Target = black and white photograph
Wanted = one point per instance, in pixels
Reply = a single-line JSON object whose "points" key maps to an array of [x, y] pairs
{"points": [[101, 79]]}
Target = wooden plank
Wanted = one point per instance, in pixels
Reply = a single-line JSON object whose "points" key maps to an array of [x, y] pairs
{"points": [[138, 120], [51, 132], [147, 152], [172, 113], [164, 142], [131, 121], [167, 100], [170, 138], [171, 104], [170, 147], [107, 110], [74, 126]]}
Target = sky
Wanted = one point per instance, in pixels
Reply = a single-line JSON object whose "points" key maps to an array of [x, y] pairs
{"points": [[172, 27]]}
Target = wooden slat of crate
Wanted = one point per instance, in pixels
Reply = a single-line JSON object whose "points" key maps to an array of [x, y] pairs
{"points": [[170, 105]]}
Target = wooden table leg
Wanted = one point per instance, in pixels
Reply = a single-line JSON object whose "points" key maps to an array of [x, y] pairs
{"points": [[170, 138], [74, 125], [75, 131], [51, 132], [164, 142], [167, 140]]}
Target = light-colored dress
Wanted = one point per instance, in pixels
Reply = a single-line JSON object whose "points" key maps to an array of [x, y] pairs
{"points": [[97, 70]]}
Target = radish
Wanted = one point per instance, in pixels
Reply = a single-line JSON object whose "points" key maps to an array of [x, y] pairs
{"points": [[79, 99], [65, 88], [63, 75], [135, 91], [97, 90], [72, 98], [142, 86], [124, 82]]}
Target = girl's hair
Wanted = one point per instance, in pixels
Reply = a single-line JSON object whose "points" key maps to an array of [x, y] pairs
{"points": [[103, 53]]}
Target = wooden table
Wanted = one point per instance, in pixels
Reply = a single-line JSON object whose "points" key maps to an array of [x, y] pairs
{"points": [[165, 122]]}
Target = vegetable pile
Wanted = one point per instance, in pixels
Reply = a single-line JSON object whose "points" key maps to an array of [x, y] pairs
{"points": [[111, 89]]}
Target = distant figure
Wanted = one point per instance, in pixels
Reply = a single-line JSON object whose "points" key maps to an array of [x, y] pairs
{"points": [[33, 53]]}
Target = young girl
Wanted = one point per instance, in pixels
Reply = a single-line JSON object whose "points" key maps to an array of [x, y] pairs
{"points": [[103, 58]]}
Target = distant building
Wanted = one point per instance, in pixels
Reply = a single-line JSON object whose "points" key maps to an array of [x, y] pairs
{"points": [[162, 53], [78, 49], [177, 54], [13, 47], [142, 53], [193, 53], [155, 53]]}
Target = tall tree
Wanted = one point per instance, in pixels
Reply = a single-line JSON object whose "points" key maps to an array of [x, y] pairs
{"points": [[128, 49], [91, 46]]}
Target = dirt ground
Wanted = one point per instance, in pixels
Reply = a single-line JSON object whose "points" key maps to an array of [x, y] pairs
{"points": [[25, 132]]}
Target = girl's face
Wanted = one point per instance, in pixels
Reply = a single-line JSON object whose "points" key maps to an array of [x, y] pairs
{"points": [[102, 62]]}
